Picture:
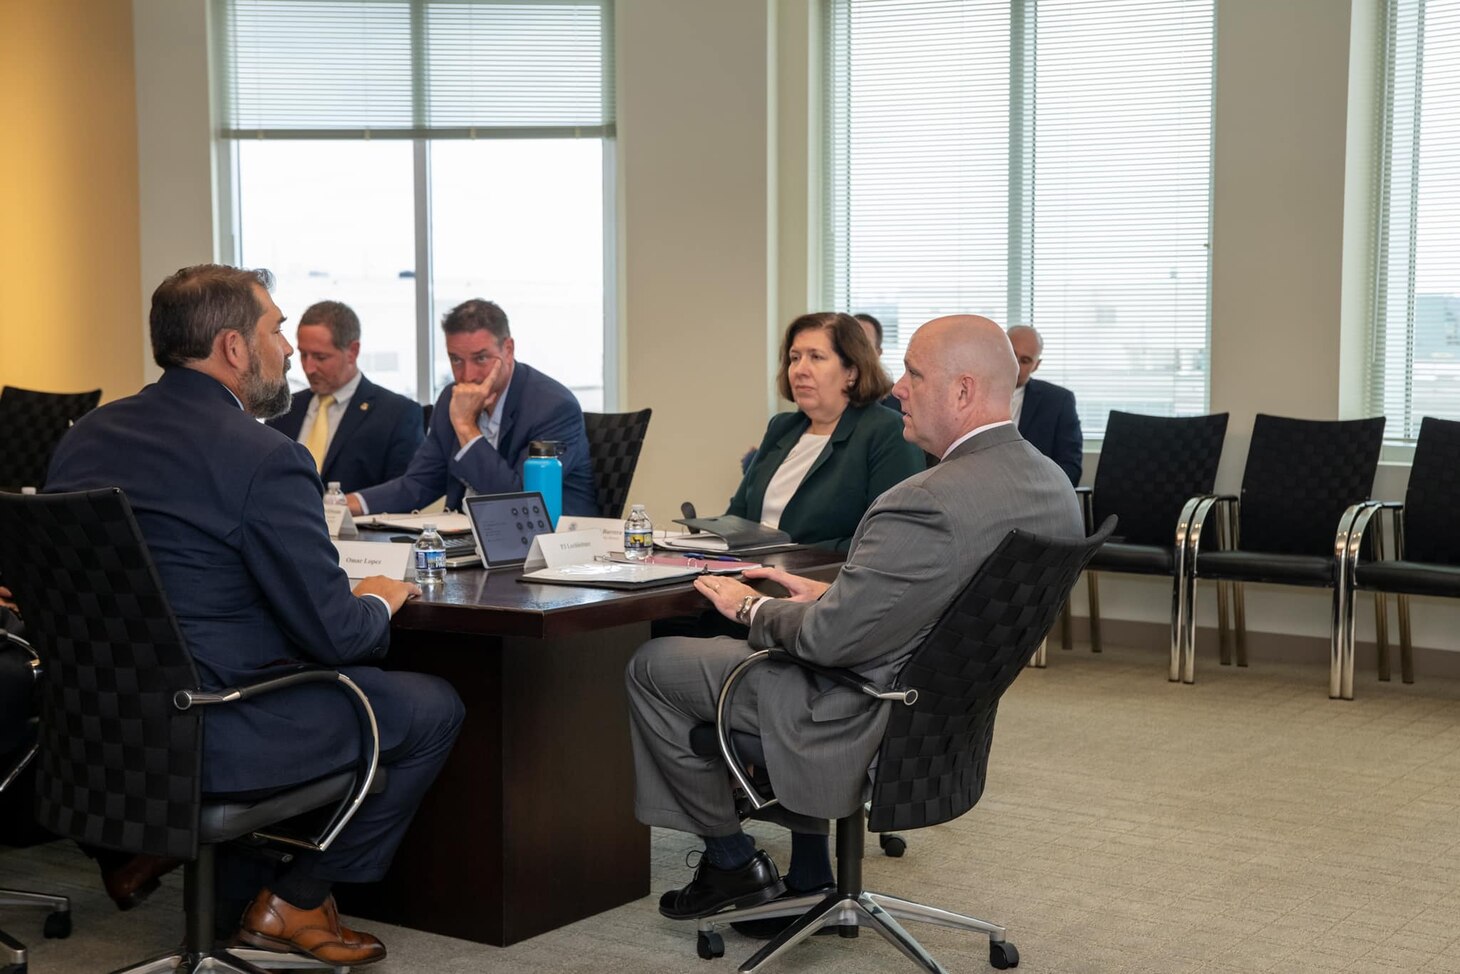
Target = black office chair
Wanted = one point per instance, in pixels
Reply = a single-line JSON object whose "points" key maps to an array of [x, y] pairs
{"points": [[614, 443], [1426, 531], [1150, 466], [19, 668], [31, 424], [933, 759], [1302, 478], [120, 760]]}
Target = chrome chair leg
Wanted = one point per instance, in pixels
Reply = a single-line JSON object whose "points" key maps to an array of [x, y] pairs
{"points": [[1381, 635], [1224, 647], [1188, 663], [1092, 583], [1239, 599], [1041, 655], [1178, 625], [12, 953], [1406, 648], [831, 911], [882, 922]]}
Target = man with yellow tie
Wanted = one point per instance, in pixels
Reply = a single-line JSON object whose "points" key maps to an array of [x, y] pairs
{"points": [[357, 432]]}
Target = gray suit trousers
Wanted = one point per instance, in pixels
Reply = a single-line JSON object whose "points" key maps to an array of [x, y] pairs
{"points": [[674, 684]]}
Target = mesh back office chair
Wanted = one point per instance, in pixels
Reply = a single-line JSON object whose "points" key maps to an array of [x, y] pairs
{"points": [[1302, 478], [934, 754], [1426, 530], [19, 669], [120, 763], [1149, 468], [31, 424], [614, 443]]}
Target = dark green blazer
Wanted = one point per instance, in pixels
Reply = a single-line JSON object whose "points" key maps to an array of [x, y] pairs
{"points": [[866, 456]]}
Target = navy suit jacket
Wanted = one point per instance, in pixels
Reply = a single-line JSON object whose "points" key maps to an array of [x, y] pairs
{"points": [[376, 438], [1049, 421], [232, 513], [537, 408]]}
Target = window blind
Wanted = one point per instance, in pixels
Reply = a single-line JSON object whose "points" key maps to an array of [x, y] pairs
{"points": [[414, 68], [1044, 163], [1414, 365]]}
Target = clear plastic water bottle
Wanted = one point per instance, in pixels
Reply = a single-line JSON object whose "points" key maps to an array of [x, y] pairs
{"points": [[638, 534], [430, 557], [334, 496]]}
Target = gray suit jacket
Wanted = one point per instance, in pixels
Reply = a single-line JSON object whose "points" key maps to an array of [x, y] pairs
{"points": [[916, 549]]}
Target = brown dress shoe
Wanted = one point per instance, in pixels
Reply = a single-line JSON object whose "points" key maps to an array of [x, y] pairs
{"points": [[273, 924], [136, 879]]}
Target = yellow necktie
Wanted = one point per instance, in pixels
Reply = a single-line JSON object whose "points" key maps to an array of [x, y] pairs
{"points": [[319, 433]]}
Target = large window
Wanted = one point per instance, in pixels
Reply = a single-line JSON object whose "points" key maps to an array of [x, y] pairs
{"points": [[1415, 357], [405, 155], [1043, 162]]}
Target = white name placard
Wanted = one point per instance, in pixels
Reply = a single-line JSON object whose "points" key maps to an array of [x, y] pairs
{"points": [[361, 559], [565, 548], [611, 528]]}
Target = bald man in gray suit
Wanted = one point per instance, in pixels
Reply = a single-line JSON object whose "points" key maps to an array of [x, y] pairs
{"points": [[914, 551]]}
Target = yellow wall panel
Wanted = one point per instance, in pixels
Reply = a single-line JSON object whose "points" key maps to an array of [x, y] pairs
{"points": [[69, 252]]}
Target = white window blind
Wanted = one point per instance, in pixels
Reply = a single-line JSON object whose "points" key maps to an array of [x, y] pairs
{"points": [[1414, 365], [1045, 163], [415, 68]]}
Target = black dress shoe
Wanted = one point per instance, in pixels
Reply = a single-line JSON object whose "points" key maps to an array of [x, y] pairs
{"points": [[768, 928], [714, 889]]}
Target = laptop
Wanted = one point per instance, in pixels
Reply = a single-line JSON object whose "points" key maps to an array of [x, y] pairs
{"points": [[503, 526]]}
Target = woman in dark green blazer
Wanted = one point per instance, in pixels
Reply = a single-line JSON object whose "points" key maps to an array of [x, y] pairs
{"points": [[819, 468]]}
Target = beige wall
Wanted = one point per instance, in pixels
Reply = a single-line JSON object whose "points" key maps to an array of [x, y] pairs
{"points": [[696, 240], [68, 198]]}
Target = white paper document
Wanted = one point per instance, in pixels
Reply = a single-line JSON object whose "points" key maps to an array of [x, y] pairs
{"points": [[446, 523]]}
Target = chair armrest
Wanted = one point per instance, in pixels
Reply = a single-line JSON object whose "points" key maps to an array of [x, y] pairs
{"points": [[369, 760], [35, 658], [842, 677], [1086, 496], [1193, 518], [1354, 525], [847, 678]]}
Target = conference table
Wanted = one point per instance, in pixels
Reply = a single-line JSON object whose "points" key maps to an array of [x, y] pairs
{"points": [[531, 824]]}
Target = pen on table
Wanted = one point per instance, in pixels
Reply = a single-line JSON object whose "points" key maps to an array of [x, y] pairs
{"points": [[710, 557]]}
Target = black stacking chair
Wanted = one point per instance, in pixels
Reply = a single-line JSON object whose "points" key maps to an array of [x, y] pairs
{"points": [[1292, 519], [1150, 467], [19, 668], [614, 443], [31, 424], [1426, 531], [934, 754], [120, 758]]}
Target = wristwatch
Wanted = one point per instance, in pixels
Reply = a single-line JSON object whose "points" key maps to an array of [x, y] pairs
{"points": [[742, 614]]}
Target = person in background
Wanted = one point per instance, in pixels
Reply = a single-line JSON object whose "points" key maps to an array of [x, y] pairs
{"points": [[1045, 412], [819, 468], [358, 433], [483, 423]]}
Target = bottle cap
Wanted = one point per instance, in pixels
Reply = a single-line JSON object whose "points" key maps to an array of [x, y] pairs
{"points": [[543, 448], [334, 485], [428, 526], [637, 509]]}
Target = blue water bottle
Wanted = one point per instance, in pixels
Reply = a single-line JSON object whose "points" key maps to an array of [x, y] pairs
{"points": [[543, 472]]}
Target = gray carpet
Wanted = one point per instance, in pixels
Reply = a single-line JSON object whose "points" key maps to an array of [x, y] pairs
{"points": [[1246, 823]]}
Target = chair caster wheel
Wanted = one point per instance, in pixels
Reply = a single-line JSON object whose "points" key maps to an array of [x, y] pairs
{"points": [[892, 845], [710, 946], [1003, 955], [58, 926]]}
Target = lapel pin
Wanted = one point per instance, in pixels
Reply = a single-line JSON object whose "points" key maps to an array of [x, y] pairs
{"points": [[364, 406]]}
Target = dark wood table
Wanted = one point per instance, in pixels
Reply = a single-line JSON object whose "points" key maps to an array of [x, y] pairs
{"points": [[531, 824]]}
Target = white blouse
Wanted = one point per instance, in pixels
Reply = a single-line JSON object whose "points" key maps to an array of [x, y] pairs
{"points": [[788, 477]]}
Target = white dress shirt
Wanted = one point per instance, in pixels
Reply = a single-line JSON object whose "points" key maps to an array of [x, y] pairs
{"points": [[342, 395]]}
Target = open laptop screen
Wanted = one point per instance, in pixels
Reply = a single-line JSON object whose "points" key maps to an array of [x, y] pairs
{"points": [[505, 524]]}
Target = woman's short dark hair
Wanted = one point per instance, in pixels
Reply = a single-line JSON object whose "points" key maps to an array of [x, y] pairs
{"points": [[851, 345], [194, 305]]}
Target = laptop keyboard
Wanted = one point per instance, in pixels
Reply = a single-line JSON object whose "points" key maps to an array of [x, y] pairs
{"points": [[460, 544]]}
